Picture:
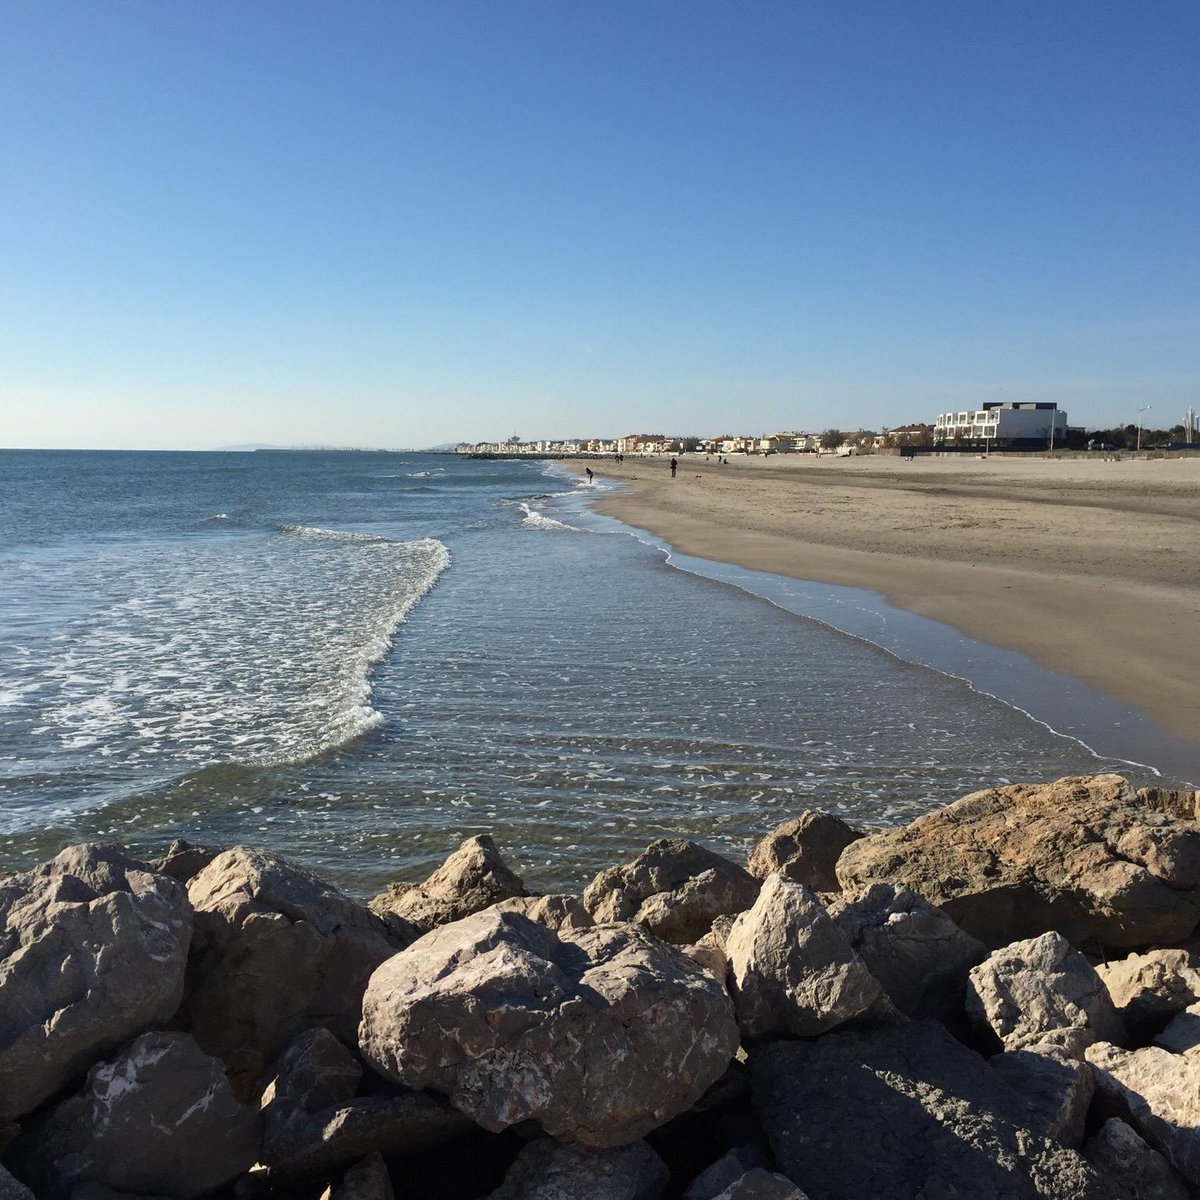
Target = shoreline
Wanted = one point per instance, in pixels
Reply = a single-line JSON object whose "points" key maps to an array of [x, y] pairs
{"points": [[1090, 569]]}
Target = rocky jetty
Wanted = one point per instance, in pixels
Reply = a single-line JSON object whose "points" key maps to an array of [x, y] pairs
{"points": [[1001, 999]]}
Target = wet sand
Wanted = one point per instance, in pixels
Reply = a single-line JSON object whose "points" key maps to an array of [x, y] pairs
{"points": [[1089, 566]]}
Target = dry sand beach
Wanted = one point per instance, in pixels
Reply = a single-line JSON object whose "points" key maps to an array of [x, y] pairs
{"points": [[1089, 566]]}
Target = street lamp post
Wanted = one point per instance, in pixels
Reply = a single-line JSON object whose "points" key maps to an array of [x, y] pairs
{"points": [[1141, 409]]}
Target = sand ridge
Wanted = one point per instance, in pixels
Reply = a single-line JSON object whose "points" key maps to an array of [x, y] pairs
{"points": [[1091, 566]]}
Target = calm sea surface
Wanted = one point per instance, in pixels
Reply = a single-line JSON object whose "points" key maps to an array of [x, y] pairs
{"points": [[357, 659]]}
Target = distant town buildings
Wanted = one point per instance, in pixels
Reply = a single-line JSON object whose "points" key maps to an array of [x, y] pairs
{"points": [[996, 425]]}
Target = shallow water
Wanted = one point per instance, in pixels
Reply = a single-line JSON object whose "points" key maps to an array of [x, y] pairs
{"points": [[358, 659]]}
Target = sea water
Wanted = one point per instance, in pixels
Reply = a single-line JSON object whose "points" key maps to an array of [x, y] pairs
{"points": [[357, 659]]}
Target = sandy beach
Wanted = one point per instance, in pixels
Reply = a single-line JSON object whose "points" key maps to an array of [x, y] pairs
{"points": [[1089, 566]]}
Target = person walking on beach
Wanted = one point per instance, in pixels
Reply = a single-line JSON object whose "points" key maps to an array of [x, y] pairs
{"points": [[674, 467]]}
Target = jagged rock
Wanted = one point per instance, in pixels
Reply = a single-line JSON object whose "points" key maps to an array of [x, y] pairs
{"points": [[790, 969], [718, 935], [675, 889], [12, 1188], [312, 1121], [473, 878], [1141, 1172], [553, 1170], [1086, 856], [275, 949], [1033, 988], [1158, 1093], [918, 955], [182, 861], [158, 1119], [902, 1113], [1056, 1085], [555, 912], [1149, 989], [804, 850], [599, 1034], [93, 946], [728, 1169], [760, 1184], [1182, 1034], [366, 1180]]}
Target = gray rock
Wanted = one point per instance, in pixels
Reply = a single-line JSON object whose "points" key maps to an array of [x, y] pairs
{"points": [[314, 1072], [12, 1188], [905, 1113], [675, 889], [275, 950], [790, 969], [313, 1122], [728, 1169], [1033, 988], [1056, 1085], [555, 912], [182, 861], [804, 850], [1158, 1093], [554, 1170], [1182, 1034], [1088, 856], [158, 1119], [366, 1180], [1149, 989], [473, 878], [93, 946], [760, 1184], [920, 957], [599, 1034], [1143, 1173]]}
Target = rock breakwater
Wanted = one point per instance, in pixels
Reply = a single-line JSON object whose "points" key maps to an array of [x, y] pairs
{"points": [[998, 1000]]}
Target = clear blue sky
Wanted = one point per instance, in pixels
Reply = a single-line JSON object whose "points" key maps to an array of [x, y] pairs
{"points": [[407, 223]]}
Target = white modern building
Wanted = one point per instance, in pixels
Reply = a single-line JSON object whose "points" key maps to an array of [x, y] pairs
{"points": [[1030, 424]]}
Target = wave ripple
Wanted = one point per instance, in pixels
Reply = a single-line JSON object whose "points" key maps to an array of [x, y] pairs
{"points": [[256, 652]]}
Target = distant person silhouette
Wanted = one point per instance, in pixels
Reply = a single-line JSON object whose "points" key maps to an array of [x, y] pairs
{"points": [[674, 467], [590, 476]]}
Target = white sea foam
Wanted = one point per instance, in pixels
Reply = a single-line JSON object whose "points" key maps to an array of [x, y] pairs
{"points": [[256, 653], [340, 535], [533, 519]]}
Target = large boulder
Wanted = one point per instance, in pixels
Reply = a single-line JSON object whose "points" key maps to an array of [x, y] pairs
{"points": [[275, 949], [1057, 1086], [159, 1119], [1119, 1153], [918, 955], [804, 850], [902, 1113], [1035, 988], [1089, 857], [93, 946], [1158, 1093], [473, 878], [790, 969], [554, 1170], [599, 1034], [675, 889], [313, 1120], [1149, 989], [1182, 1034]]}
